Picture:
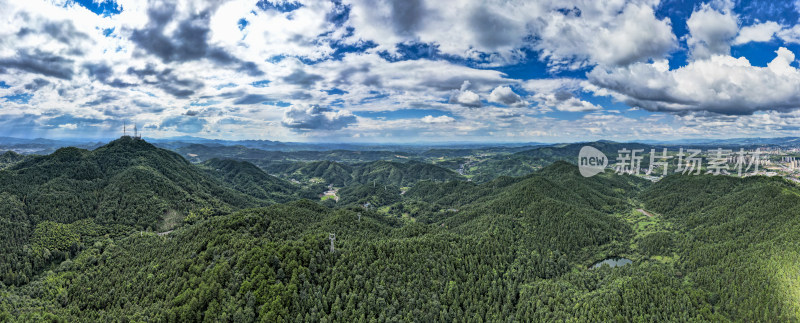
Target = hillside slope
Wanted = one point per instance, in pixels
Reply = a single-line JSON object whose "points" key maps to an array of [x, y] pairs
{"points": [[738, 230], [9, 158], [331, 172], [251, 180], [401, 174], [127, 184]]}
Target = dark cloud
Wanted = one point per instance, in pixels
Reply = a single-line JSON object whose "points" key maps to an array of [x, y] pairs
{"points": [[220, 56], [148, 70], [119, 83], [149, 107], [116, 111], [252, 99], [177, 90], [103, 73], [372, 80], [40, 63], [191, 113], [563, 95], [316, 118], [300, 95], [62, 31], [407, 16], [102, 99], [250, 68], [492, 30], [36, 84], [188, 42], [345, 74], [300, 77], [99, 71], [167, 81], [226, 95]]}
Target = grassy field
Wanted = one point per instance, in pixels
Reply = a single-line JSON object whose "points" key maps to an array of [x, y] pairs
{"points": [[644, 225]]}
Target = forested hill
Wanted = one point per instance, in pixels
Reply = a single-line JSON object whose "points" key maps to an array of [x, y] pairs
{"points": [[737, 238], [331, 172], [251, 180], [558, 181], [10, 158], [555, 202], [51, 204], [380, 172], [524, 162], [401, 174], [127, 181]]}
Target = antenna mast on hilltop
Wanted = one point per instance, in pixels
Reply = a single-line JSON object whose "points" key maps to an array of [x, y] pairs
{"points": [[136, 132], [124, 133], [332, 236]]}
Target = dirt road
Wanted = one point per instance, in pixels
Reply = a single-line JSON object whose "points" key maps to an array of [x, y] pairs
{"points": [[644, 212]]}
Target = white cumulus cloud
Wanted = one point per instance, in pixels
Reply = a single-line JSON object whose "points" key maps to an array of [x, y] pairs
{"points": [[439, 119], [720, 84], [761, 32], [466, 97], [711, 31]]}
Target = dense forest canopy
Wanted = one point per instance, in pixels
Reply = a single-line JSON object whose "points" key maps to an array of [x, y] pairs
{"points": [[131, 232]]}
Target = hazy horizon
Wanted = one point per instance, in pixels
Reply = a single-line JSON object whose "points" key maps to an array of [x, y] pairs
{"points": [[395, 143]]}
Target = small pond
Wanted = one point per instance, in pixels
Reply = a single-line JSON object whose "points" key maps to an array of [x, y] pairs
{"points": [[613, 262]]}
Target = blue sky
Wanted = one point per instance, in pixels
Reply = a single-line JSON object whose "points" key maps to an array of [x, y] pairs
{"points": [[401, 70]]}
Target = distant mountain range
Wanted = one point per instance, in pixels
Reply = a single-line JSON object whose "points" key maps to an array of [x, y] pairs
{"points": [[47, 146], [781, 141]]}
